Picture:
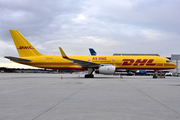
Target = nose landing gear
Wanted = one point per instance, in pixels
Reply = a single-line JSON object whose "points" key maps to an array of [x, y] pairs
{"points": [[158, 75]]}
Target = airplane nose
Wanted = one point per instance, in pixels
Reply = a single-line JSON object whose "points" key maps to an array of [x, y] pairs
{"points": [[174, 65]]}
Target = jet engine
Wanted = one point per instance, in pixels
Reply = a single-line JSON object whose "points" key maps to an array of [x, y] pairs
{"points": [[107, 70]]}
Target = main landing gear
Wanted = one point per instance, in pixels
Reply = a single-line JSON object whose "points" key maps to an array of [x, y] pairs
{"points": [[89, 75], [158, 75]]}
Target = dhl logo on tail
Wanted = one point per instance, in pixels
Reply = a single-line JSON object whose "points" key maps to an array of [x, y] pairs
{"points": [[140, 62], [25, 47]]}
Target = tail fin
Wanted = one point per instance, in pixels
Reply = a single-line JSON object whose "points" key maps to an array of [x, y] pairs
{"points": [[92, 51], [24, 48]]}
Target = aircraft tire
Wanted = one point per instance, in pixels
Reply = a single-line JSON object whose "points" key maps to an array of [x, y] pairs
{"points": [[164, 76], [154, 76], [89, 76]]}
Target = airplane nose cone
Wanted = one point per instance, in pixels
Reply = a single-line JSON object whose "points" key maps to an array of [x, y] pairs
{"points": [[175, 65], [172, 65]]}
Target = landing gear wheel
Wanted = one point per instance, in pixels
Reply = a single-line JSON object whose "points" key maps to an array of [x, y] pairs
{"points": [[154, 76], [164, 76], [89, 76], [158, 75]]}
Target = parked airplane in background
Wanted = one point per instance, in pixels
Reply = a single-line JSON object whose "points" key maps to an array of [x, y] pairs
{"points": [[92, 51], [104, 64]]}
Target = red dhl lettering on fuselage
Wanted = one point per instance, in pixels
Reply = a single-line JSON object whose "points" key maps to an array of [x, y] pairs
{"points": [[140, 62], [25, 47]]}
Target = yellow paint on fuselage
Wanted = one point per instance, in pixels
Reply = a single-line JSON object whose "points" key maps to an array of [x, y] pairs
{"points": [[57, 62]]}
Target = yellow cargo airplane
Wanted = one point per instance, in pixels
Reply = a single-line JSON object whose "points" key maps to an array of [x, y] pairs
{"points": [[103, 64]]}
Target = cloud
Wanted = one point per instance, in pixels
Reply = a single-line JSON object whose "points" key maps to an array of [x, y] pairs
{"points": [[116, 26]]}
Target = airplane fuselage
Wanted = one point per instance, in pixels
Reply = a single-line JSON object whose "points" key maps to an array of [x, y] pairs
{"points": [[120, 62]]}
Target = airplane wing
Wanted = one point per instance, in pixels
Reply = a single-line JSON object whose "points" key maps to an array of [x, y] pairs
{"points": [[18, 59], [85, 64]]}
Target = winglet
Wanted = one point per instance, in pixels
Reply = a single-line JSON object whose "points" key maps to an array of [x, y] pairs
{"points": [[62, 53]]}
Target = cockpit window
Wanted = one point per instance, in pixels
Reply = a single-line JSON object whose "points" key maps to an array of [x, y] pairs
{"points": [[168, 61]]}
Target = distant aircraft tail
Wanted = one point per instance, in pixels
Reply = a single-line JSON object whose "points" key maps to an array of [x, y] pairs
{"points": [[24, 48], [92, 51]]}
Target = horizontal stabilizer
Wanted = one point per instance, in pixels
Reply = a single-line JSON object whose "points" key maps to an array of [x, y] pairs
{"points": [[18, 59]]}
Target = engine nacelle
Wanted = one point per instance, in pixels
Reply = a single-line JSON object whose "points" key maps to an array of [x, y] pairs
{"points": [[107, 70]]}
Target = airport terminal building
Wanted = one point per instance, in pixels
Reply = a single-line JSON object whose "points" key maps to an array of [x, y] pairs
{"points": [[175, 58]]}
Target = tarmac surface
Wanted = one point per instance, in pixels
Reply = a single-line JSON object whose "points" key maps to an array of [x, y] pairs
{"points": [[29, 96]]}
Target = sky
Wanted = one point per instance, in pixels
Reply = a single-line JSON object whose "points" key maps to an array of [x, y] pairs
{"points": [[108, 26]]}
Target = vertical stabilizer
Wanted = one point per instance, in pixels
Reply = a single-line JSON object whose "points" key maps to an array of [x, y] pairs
{"points": [[24, 48], [92, 51]]}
